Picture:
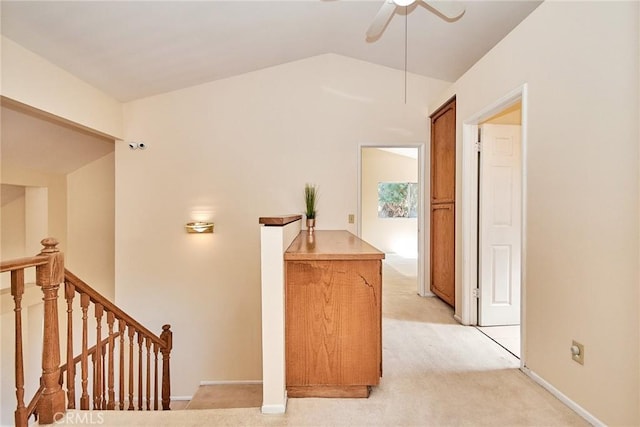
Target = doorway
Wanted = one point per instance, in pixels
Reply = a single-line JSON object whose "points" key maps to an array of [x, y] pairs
{"points": [[390, 209], [494, 142]]}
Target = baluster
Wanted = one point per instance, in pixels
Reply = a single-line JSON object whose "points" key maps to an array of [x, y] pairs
{"points": [[51, 405], [84, 399], [148, 343], [95, 376], [140, 370], [103, 391], [97, 384], [121, 328], [17, 290], [155, 376], [70, 293], [167, 337], [112, 396], [131, 334]]}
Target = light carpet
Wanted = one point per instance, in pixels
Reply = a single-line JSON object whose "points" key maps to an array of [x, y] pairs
{"points": [[220, 396], [436, 373]]}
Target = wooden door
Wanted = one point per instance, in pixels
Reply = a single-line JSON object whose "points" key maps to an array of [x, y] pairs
{"points": [[443, 194]]}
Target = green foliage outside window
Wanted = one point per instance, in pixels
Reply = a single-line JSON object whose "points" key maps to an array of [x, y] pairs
{"points": [[397, 200]]}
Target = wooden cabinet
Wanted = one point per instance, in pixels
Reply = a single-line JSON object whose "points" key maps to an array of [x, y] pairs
{"points": [[442, 252], [443, 194], [333, 315]]}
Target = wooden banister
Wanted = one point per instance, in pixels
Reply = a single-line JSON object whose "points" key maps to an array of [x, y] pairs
{"points": [[23, 263], [48, 403], [96, 298], [90, 352]]}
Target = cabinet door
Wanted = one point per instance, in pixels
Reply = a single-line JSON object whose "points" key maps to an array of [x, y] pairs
{"points": [[333, 315], [443, 154], [443, 251], [443, 193]]}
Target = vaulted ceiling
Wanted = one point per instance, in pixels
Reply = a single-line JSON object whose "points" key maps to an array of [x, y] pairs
{"points": [[134, 49]]}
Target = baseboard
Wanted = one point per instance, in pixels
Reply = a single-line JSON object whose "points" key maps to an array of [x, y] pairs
{"points": [[458, 319], [181, 397], [563, 398], [227, 382], [275, 409]]}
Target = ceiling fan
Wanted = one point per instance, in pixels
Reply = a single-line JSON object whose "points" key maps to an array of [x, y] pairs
{"points": [[450, 10]]}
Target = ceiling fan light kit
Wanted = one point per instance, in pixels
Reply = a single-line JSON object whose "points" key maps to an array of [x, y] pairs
{"points": [[403, 2]]}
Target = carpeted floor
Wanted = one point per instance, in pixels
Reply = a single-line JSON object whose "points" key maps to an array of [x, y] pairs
{"points": [[220, 396], [436, 373]]}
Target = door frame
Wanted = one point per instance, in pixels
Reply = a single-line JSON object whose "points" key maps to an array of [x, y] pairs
{"points": [[422, 231], [469, 210]]}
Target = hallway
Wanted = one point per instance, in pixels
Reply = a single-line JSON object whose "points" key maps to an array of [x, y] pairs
{"points": [[435, 373]]}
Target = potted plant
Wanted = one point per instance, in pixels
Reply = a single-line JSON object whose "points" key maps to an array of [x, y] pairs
{"points": [[310, 201]]}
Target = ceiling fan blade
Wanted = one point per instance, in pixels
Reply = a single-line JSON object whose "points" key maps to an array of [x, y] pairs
{"points": [[448, 9], [381, 19]]}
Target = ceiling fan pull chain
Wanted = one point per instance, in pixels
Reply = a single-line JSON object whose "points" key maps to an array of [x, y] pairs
{"points": [[406, 22]]}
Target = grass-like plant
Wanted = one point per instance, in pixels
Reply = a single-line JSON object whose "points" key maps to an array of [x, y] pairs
{"points": [[310, 200]]}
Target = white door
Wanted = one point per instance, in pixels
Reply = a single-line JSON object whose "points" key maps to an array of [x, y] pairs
{"points": [[500, 219]]}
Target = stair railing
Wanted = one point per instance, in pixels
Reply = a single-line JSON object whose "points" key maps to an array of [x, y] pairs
{"points": [[97, 363]]}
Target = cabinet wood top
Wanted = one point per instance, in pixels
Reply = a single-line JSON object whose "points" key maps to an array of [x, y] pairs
{"points": [[279, 220], [330, 245]]}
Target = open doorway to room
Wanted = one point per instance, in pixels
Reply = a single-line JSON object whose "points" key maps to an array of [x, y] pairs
{"points": [[390, 210], [494, 174]]}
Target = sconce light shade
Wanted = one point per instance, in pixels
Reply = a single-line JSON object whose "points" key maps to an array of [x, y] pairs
{"points": [[199, 227]]}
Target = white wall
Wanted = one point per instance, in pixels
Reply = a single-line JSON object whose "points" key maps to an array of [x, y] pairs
{"points": [[91, 224], [393, 235], [218, 150], [580, 61]]}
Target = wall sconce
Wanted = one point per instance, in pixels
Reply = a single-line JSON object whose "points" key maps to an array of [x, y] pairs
{"points": [[199, 227]]}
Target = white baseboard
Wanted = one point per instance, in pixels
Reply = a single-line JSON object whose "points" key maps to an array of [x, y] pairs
{"points": [[458, 319], [225, 382], [274, 409], [181, 397], [563, 398]]}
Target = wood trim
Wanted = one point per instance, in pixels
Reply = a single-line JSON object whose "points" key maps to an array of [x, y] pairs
{"points": [[348, 391], [279, 220]]}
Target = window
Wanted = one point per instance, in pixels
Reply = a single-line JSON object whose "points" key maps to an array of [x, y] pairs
{"points": [[397, 200]]}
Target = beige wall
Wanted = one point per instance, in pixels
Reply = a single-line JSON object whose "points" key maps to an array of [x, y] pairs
{"points": [[31, 80], [510, 116], [580, 61], [13, 230], [394, 235], [233, 150], [56, 186], [91, 224]]}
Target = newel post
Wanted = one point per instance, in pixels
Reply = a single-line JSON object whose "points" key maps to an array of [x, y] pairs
{"points": [[49, 277], [167, 337]]}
